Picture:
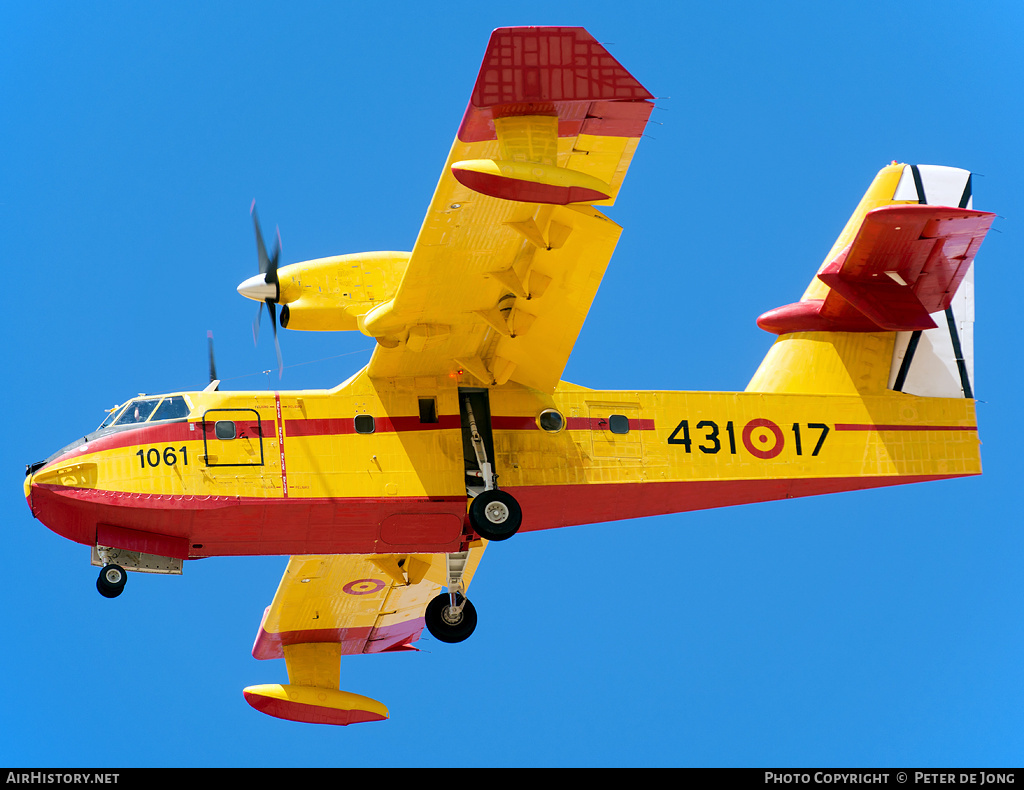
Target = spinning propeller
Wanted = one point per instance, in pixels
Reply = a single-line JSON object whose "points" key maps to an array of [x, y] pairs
{"points": [[265, 287]]}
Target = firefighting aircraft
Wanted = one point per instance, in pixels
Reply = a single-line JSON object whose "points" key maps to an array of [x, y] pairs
{"points": [[386, 488]]}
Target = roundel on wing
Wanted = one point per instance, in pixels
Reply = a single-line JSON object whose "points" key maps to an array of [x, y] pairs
{"points": [[363, 586]]}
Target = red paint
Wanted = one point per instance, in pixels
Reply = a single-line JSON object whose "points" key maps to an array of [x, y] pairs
{"points": [[930, 248], [363, 587], [238, 526], [416, 527], [311, 714], [336, 426], [353, 640], [145, 542], [765, 453], [234, 526], [545, 507], [554, 70], [807, 317], [506, 188], [842, 426]]}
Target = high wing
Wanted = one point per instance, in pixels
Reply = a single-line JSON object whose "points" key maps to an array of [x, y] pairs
{"points": [[329, 606], [511, 251]]}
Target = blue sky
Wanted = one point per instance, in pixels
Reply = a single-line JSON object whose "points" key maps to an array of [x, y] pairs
{"points": [[879, 628]]}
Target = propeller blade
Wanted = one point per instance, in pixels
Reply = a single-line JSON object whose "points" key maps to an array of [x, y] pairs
{"points": [[272, 307], [272, 264], [256, 325], [261, 248], [268, 268]]}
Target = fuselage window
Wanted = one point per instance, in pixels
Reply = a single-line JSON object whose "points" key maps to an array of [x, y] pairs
{"points": [[618, 423], [224, 429], [428, 410], [551, 421], [172, 408], [364, 423]]}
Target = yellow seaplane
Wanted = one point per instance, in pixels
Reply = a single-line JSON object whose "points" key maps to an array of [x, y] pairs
{"points": [[386, 488]]}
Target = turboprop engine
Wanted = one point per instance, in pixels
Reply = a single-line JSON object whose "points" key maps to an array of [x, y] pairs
{"points": [[330, 294], [323, 295]]}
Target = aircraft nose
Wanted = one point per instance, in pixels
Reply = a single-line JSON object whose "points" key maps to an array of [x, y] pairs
{"points": [[258, 289]]}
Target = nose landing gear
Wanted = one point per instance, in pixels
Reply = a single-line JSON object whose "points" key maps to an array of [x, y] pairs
{"points": [[111, 581]]}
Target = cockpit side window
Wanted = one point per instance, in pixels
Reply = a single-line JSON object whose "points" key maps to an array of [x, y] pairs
{"points": [[110, 417], [137, 411], [173, 407]]}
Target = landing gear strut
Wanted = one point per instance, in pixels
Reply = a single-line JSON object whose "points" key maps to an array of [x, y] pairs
{"points": [[493, 514], [450, 617], [111, 581]]}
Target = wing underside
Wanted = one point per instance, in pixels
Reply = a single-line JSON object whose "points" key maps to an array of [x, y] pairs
{"points": [[329, 606]]}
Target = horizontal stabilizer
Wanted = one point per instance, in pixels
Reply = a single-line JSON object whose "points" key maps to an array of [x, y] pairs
{"points": [[314, 705], [906, 262]]}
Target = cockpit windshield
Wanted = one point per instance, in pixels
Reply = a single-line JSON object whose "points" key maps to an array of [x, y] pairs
{"points": [[110, 417], [137, 410], [148, 409]]}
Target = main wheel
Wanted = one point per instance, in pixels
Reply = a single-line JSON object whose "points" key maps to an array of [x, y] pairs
{"points": [[495, 515], [447, 628], [111, 581]]}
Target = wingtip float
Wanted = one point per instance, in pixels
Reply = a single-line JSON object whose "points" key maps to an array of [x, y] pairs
{"points": [[385, 488]]}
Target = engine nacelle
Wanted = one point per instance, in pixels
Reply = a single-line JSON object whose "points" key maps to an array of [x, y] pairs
{"points": [[332, 294]]}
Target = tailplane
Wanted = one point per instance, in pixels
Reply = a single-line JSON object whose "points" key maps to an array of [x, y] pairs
{"points": [[892, 306]]}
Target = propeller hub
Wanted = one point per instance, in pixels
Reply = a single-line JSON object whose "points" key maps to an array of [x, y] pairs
{"points": [[258, 289]]}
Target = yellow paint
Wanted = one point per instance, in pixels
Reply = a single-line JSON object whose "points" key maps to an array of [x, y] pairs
{"points": [[879, 193], [534, 173]]}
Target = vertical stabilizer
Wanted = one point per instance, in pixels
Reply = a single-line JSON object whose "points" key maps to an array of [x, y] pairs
{"points": [[892, 306], [938, 363]]}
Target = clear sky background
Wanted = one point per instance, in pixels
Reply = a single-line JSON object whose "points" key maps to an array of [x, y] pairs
{"points": [[880, 628]]}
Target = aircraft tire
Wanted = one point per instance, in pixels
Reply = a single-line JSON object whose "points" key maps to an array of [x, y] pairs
{"points": [[495, 515], [440, 625], [111, 581]]}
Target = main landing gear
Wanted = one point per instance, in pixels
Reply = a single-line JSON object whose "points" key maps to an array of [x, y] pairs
{"points": [[450, 617], [111, 581], [495, 515]]}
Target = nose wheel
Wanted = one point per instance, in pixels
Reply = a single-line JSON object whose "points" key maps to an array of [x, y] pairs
{"points": [[111, 581]]}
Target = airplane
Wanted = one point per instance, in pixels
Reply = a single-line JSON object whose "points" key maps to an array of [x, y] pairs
{"points": [[386, 489]]}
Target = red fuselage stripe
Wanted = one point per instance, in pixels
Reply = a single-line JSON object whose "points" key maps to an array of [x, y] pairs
{"points": [[843, 426], [184, 431]]}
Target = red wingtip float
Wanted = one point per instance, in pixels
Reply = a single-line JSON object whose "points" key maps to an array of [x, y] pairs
{"points": [[385, 487]]}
